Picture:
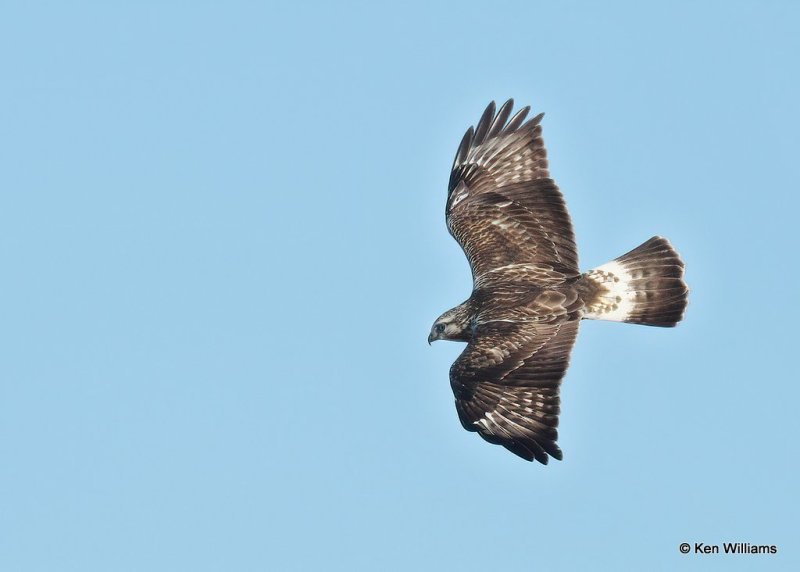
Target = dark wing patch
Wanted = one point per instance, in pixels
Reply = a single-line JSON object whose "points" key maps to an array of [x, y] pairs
{"points": [[496, 230], [500, 190], [506, 384]]}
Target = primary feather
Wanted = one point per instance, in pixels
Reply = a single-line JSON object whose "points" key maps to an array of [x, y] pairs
{"points": [[528, 294]]}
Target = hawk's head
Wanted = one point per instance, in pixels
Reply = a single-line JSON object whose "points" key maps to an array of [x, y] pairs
{"points": [[454, 325]]}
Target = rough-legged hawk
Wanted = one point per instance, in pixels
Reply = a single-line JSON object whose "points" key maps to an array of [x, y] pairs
{"points": [[528, 295]]}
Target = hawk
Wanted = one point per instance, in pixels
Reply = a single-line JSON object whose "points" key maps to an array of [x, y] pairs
{"points": [[528, 295]]}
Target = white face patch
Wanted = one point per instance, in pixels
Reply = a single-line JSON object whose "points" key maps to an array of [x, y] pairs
{"points": [[451, 329]]}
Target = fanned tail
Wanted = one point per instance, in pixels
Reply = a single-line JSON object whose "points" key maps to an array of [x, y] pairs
{"points": [[644, 286]]}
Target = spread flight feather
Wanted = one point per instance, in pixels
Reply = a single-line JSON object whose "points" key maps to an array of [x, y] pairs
{"points": [[528, 295]]}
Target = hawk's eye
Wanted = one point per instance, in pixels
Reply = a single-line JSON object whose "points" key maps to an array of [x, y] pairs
{"points": [[439, 328]]}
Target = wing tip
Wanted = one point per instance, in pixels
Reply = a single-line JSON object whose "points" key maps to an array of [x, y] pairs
{"points": [[532, 450], [495, 122]]}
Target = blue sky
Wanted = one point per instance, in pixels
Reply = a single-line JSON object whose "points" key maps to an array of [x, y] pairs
{"points": [[223, 245]]}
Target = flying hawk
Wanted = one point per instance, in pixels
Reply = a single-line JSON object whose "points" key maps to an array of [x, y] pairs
{"points": [[528, 294]]}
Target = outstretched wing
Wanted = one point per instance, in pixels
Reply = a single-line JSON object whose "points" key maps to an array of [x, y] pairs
{"points": [[502, 207], [506, 384]]}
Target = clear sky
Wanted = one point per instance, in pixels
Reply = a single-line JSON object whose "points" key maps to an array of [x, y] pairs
{"points": [[222, 246]]}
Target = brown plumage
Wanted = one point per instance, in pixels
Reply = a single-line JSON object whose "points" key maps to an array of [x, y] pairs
{"points": [[528, 294]]}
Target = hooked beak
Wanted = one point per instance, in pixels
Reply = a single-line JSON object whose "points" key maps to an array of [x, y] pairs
{"points": [[430, 338]]}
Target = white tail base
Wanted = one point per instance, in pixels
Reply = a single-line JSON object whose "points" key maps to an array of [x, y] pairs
{"points": [[617, 303]]}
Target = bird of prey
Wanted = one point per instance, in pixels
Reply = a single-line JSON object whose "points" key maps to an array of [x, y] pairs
{"points": [[528, 294]]}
